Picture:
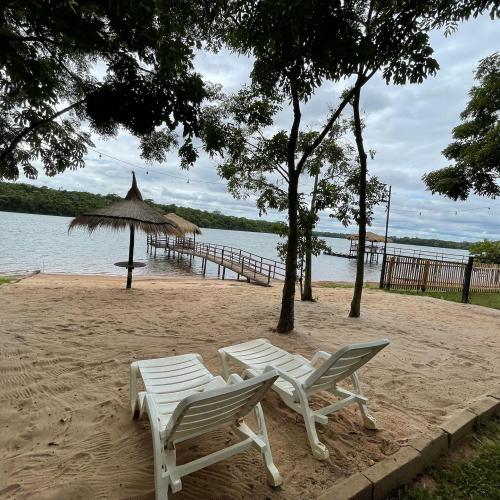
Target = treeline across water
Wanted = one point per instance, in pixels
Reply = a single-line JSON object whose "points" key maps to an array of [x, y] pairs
{"points": [[18, 197], [408, 240]]}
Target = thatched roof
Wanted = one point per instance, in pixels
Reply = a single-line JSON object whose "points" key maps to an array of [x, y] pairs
{"points": [[184, 225], [370, 237], [132, 211]]}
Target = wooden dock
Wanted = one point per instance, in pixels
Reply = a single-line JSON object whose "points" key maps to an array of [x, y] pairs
{"points": [[254, 268]]}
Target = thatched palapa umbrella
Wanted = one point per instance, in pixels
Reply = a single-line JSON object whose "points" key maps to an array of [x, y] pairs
{"points": [[371, 237], [184, 225], [131, 212]]}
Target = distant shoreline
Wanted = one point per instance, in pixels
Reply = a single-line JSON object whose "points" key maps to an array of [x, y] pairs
{"points": [[401, 240], [26, 198]]}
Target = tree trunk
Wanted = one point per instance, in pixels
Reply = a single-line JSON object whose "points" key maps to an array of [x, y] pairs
{"points": [[360, 264], [307, 294], [286, 321]]}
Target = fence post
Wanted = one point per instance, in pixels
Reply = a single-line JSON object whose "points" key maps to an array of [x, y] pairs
{"points": [[425, 277], [389, 272], [467, 277], [382, 271]]}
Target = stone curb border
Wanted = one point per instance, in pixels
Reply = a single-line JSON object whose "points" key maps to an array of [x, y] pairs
{"points": [[401, 468]]}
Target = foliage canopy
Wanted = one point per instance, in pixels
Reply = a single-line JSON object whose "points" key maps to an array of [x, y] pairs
{"points": [[111, 64], [476, 148], [486, 251]]}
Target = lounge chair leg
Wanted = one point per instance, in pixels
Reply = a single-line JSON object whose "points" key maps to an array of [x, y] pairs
{"points": [[320, 451], [161, 487], [134, 371], [170, 460], [369, 421], [223, 362], [161, 481], [273, 475]]}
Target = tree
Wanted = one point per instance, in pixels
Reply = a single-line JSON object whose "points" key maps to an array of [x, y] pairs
{"points": [[298, 46], [486, 251], [476, 148], [401, 58], [110, 64]]}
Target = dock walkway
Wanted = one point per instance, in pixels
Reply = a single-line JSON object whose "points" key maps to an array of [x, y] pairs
{"points": [[254, 268]]}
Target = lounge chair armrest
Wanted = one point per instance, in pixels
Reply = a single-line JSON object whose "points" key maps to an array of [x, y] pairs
{"points": [[234, 378], [284, 376], [320, 355]]}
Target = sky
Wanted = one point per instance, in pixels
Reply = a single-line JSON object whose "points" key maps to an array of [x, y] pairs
{"points": [[408, 127]]}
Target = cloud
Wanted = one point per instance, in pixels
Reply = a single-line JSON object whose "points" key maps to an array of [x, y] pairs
{"points": [[408, 126]]}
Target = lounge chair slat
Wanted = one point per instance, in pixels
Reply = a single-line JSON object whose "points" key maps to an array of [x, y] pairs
{"points": [[214, 409], [265, 346], [166, 388], [217, 399], [172, 368], [186, 377], [177, 396], [172, 361], [241, 348], [266, 351]]}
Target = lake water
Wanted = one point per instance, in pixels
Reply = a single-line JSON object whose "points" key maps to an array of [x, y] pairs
{"points": [[29, 242]]}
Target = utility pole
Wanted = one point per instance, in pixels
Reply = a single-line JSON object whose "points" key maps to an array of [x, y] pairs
{"points": [[384, 258]]}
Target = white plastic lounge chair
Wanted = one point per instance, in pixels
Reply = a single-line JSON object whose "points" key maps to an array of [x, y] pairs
{"points": [[300, 378], [184, 400]]}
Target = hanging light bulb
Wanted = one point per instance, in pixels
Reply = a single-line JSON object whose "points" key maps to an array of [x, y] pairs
{"points": [[147, 172], [188, 181]]}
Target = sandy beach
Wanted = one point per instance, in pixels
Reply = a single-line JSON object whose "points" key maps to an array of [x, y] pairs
{"points": [[67, 343]]}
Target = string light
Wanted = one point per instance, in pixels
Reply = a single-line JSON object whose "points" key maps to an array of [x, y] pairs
{"points": [[125, 162]]}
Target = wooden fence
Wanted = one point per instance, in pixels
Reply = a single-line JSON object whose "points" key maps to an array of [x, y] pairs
{"points": [[410, 273]]}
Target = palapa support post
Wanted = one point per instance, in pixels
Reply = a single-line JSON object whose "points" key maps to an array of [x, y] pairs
{"points": [[130, 266]]}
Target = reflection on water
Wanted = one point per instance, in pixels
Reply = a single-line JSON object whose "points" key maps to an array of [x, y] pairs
{"points": [[29, 242]]}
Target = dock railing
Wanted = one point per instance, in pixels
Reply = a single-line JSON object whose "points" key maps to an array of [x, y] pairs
{"points": [[425, 254], [238, 260]]}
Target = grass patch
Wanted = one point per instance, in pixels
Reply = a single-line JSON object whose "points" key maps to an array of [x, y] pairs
{"points": [[5, 279], [476, 475], [486, 299]]}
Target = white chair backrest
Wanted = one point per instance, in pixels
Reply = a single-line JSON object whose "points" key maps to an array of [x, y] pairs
{"points": [[204, 412], [343, 363]]}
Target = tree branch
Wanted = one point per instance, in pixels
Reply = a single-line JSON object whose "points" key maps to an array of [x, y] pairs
{"points": [[359, 83], [23, 134]]}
